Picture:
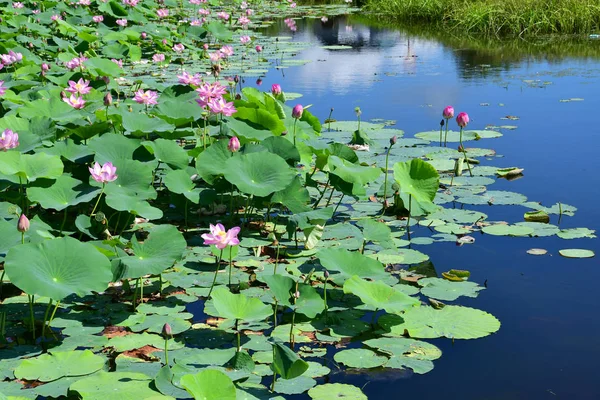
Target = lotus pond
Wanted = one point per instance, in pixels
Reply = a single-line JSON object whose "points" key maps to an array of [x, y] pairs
{"points": [[268, 200]]}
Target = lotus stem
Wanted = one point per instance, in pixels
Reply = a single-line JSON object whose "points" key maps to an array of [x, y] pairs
{"points": [[446, 135], [2, 282], [166, 350], [275, 314], [387, 157], [330, 196], [46, 318], [292, 329], [141, 290], [465, 152], [216, 272], [53, 313], [98, 201], [135, 293], [237, 329], [338, 204], [185, 214], [64, 221], [230, 266], [408, 219], [325, 294], [31, 300], [322, 194], [276, 259], [329, 120], [295, 122], [160, 284]]}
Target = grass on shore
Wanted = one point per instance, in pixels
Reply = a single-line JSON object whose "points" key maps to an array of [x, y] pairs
{"points": [[496, 17]]}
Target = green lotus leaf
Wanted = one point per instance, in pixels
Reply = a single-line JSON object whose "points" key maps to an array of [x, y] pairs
{"points": [[458, 216], [179, 181], [261, 118], [295, 196], [58, 268], [407, 353], [28, 167], [68, 149], [211, 162], [352, 173], [238, 306], [576, 253], [283, 148], [454, 136], [330, 391], [377, 232], [378, 295], [576, 233], [507, 230], [494, 197], [287, 363], [209, 385], [168, 152], [103, 67], [159, 251], [558, 208], [128, 385], [178, 111], [350, 264], [257, 174], [310, 302], [113, 148], [53, 108], [351, 126], [66, 191], [49, 367], [139, 124], [453, 322], [359, 358], [418, 179], [540, 229], [442, 289]]}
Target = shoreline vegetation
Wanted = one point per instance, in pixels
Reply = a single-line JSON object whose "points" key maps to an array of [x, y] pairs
{"points": [[495, 17]]}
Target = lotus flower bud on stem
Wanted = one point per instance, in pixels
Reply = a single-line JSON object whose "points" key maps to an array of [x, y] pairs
{"points": [[108, 100], [23, 224], [296, 295], [297, 111], [448, 112], [393, 140], [442, 122], [166, 330], [275, 89], [234, 144]]}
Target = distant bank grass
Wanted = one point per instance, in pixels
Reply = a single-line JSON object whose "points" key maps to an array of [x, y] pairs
{"points": [[496, 17]]}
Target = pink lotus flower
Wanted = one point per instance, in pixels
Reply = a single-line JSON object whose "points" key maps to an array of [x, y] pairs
{"points": [[118, 62], [276, 89], [195, 2], [208, 92], [226, 51], [462, 119], [245, 39], [84, 2], [11, 58], [75, 101], [219, 106], [143, 35], [448, 112], [249, 12], [234, 144], [244, 5], [130, 3], [55, 17], [81, 87], [122, 22], [9, 140], [220, 237], [158, 58], [243, 21], [215, 57], [2, 89], [223, 15], [73, 64], [258, 48], [178, 48], [293, 5], [17, 4], [187, 79], [97, 18], [148, 97], [104, 173], [197, 22], [162, 13], [204, 12], [297, 111], [324, 19]]}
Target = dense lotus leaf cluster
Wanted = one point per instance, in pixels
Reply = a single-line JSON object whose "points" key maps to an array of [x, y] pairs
{"points": [[169, 232]]}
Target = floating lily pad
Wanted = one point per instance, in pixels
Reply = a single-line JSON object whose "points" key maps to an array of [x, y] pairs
{"points": [[49, 367], [359, 358], [378, 295], [576, 253], [576, 233], [407, 353], [442, 289], [507, 230], [330, 391]]}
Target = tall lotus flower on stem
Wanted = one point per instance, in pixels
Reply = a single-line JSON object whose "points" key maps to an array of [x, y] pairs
{"points": [[462, 119], [221, 238], [102, 174], [297, 112], [276, 89], [81, 87], [448, 114], [167, 332], [9, 140], [234, 144], [74, 101]]}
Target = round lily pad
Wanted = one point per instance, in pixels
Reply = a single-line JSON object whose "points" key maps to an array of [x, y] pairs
{"points": [[330, 391], [359, 358], [507, 230], [576, 253], [537, 252], [49, 367]]}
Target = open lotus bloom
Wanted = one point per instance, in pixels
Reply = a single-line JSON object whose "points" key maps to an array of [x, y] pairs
{"points": [[9, 140], [220, 237], [104, 173]]}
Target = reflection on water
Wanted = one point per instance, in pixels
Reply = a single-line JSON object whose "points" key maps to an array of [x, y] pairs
{"points": [[547, 347]]}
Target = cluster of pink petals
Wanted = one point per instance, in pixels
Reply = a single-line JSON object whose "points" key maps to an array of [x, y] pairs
{"points": [[197, 2], [2, 89], [84, 2], [276, 89], [187, 79], [223, 15], [104, 173], [148, 97], [244, 5], [130, 3], [462, 119], [216, 56], [81, 87], [220, 237], [243, 21], [220, 106], [17, 4], [118, 62], [97, 18], [245, 39], [162, 12], [198, 22], [11, 58], [226, 51], [9, 140], [204, 12], [290, 24], [75, 101], [55, 17], [158, 58], [178, 48], [122, 22], [249, 12], [76, 62], [208, 92]]}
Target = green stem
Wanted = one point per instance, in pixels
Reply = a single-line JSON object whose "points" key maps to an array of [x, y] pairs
{"points": [[53, 313], [446, 135], [216, 272], [237, 329], [31, 300], [387, 157], [62, 226], [276, 260], [322, 194], [160, 284], [135, 292], [275, 315], [465, 152], [230, 266], [292, 329], [46, 317], [295, 121], [338, 204], [141, 290], [325, 294], [330, 196], [408, 219], [166, 350], [2, 282], [185, 213], [98, 201]]}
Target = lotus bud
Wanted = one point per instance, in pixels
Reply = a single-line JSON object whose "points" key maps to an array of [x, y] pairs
{"points": [[258, 48], [63, 95], [234, 144], [238, 96], [357, 111], [105, 79], [326, 274], [297, 295], [462, 119], [23, 224], [297, 111], [164, 42], [236, 79], [166, 330], [442, 122], [393, 140], [144, 35], [258, 82], [205, 46], [448, 112], [275, 89], [108, 100]]}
